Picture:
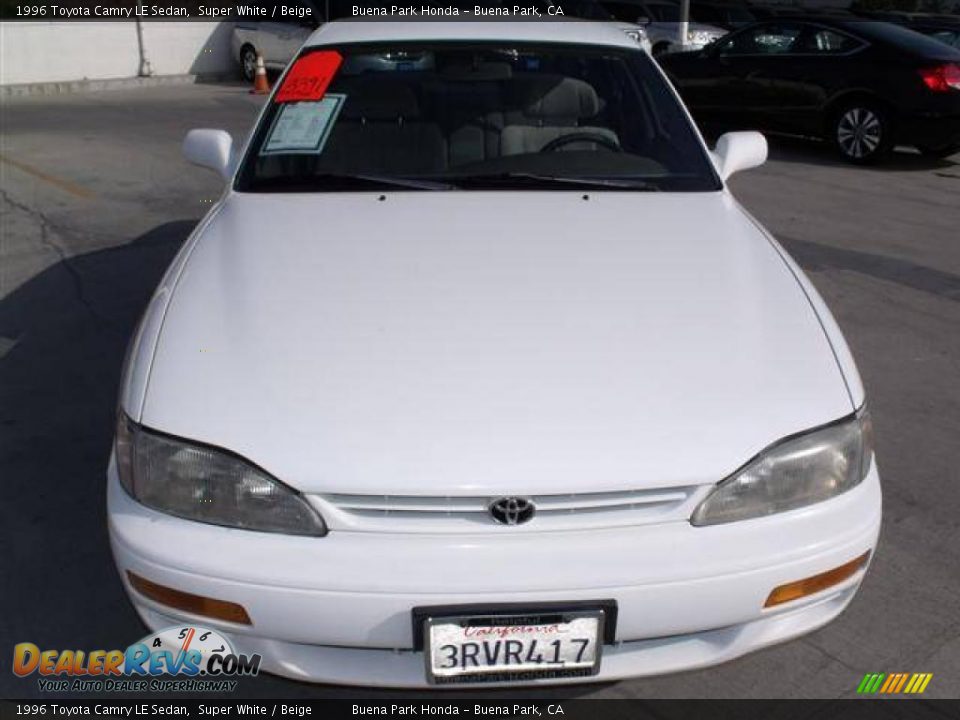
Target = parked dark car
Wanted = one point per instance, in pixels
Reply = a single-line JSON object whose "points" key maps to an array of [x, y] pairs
{"points": [[946, 31], [945, 28], [862, 85]]}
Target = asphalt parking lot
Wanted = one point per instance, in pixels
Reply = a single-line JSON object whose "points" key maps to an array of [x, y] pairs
{"points": [[96, 200]]}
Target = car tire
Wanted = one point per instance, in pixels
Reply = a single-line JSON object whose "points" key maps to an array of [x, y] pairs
{"points": [[248, 62], [862, 131], [942, 152]]}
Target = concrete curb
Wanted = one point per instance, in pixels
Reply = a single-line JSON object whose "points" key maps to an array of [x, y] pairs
{"points": [[83, 86]]}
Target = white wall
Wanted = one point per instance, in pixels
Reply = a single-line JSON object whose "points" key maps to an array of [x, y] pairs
{"points": [[37, 52], [175, 48], [48, 51]]}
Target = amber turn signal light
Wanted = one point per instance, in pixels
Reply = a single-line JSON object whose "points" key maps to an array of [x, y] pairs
{"points": [[816, 583], [196, 604]]}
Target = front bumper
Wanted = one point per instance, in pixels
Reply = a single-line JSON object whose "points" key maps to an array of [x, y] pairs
{"points": [[338, 609]]}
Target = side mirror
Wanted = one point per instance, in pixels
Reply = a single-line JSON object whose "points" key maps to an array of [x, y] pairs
{"points": [[737, 151], [643, 20], [210, 149]]}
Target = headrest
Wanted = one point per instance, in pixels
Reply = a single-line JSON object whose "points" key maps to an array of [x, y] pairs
{"points": [[375, 99], [555, 97]]}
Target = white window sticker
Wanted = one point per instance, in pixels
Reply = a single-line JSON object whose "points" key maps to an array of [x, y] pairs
{"points": [[303, 127]]}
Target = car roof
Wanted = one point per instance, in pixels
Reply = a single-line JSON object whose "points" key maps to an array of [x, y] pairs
{"points": [[563, 31]]}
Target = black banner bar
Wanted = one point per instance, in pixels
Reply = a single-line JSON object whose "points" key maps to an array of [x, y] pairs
{"points": [[300, 12], [310, 12]]}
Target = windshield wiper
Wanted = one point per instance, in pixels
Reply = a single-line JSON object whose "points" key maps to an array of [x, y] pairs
{"points": [[508, 179], [405, 182], [359, 181], [342, 181]]}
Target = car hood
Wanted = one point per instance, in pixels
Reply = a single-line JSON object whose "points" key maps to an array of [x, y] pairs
{"points": [[464, 342]]}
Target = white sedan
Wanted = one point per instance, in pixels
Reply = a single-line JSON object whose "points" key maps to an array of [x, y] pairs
{"points": [[477, 372]]}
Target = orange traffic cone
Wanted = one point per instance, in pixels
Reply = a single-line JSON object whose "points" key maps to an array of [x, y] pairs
{"points": [[260, 84]]}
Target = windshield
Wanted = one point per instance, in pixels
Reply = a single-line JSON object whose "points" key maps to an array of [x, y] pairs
{"points": [[457, 116]]}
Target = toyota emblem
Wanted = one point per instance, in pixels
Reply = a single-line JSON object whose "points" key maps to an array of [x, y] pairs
{"points": [[512, 510]]}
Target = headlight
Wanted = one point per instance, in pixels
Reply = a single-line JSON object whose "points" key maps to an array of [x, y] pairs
{"points": [[797, 472], [207, 485]]}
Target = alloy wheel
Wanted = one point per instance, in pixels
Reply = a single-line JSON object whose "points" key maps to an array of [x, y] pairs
{"points": [[859, 132]]}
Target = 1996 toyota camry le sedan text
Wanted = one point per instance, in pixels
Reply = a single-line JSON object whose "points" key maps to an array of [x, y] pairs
{"points": [[477, 372]]}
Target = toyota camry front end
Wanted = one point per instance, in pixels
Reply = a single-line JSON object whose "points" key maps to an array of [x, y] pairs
{"points": [[477, 372]]}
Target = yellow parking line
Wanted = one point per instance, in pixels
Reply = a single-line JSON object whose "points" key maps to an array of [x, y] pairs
{"points": [[65, 185]]}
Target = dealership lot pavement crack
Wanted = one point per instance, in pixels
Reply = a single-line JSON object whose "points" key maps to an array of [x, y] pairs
{"points": [[47, 230]]}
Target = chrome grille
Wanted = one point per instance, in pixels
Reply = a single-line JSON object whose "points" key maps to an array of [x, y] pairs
{"points": [[432, 513]]}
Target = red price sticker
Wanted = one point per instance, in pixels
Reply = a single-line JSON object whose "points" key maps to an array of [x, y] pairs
{"points": [[309, 77]]}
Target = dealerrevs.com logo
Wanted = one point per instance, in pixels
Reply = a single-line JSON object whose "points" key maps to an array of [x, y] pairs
{"points": [[199, 659]]}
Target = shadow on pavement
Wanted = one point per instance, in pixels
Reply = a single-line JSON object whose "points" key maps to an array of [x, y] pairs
{"points": [[815, 256], [63, 335]]}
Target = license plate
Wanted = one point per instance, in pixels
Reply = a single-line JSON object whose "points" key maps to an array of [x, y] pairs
{"points": [[490, 648]]}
